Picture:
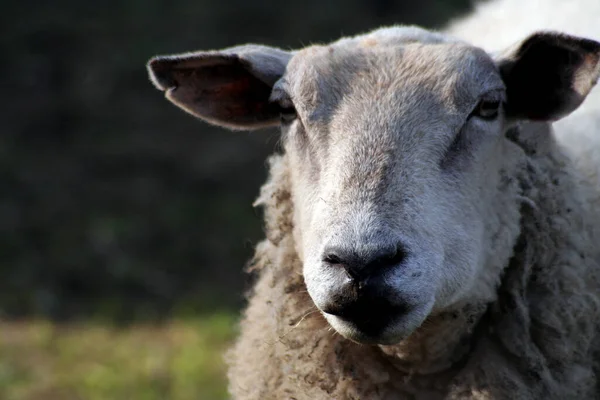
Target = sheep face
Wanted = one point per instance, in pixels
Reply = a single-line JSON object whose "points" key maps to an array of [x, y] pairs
{"points": [[397, 158], [403, 178]]}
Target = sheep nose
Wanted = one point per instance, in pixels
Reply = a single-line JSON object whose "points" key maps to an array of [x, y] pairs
{"points": [[360, 266]]}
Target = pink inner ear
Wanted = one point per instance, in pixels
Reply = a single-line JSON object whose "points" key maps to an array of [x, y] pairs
{"points": [[223, 94], [587, 75]]}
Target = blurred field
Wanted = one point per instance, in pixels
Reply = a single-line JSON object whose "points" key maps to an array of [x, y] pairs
{"points": [[177, 360]]}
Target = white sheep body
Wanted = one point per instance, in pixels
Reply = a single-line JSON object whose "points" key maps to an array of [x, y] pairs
{"points": [[540, 339]]}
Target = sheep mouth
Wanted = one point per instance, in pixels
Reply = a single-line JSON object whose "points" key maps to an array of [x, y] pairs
{"points": [[367, 321]]}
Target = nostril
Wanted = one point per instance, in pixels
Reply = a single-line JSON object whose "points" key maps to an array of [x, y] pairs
{"points": [[359, 267], [333, 259], [389, 257], [346, 260]]}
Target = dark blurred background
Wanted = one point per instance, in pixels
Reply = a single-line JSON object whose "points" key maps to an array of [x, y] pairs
{"points": [[113, 202]]}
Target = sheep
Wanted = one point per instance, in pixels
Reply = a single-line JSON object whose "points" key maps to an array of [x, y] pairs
{"points": [[430, 232]]}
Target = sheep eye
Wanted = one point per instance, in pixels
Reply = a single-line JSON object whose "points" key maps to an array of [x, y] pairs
{"points": [[287, 111], [487, 109], [287, 115]]}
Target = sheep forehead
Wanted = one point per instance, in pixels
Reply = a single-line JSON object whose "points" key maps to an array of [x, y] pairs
{"points": [[406, 65]]}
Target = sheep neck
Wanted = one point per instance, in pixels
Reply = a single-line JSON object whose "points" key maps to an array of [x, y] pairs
{"points": [[443, 341]]}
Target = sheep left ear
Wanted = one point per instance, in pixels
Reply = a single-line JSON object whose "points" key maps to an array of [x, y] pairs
{"points": [[229, 87], [548, 75]]}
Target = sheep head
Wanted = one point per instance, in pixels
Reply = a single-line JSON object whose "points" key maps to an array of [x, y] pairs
{"points": [[402, 174]]}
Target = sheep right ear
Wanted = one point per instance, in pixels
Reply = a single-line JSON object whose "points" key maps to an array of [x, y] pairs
{"points": [[549, 74], [229, 88]]}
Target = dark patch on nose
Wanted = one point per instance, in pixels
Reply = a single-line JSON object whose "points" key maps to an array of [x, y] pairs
{"points": [[369, 310], [359, 268], [363, 297]]}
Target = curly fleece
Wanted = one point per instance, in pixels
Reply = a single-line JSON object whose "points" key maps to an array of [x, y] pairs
{"points": [[538, 340]]}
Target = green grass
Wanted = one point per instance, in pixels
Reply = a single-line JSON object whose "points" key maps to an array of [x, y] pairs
{"points": [[178, 360]]}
